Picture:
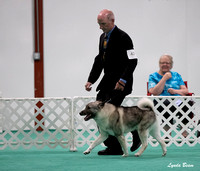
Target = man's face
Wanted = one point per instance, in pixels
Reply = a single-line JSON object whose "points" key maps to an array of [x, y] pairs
{"points": [[104, 24]]}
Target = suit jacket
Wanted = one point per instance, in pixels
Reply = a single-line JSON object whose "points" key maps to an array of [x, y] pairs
{"points": [[115, 64]]}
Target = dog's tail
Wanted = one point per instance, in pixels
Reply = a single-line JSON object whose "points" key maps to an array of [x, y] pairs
{"points": [[145, 104]]}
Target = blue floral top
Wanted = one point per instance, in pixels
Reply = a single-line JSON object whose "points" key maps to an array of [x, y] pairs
{"points": [[175, 82]]}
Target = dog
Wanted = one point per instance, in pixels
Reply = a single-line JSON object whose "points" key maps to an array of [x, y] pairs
{"points": [[117, 121]]}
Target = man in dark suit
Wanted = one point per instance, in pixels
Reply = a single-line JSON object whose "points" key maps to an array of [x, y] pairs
{"points": [[118, 60]]}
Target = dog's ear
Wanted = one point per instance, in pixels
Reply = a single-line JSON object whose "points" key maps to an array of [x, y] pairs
{"points": [[101, 104]]}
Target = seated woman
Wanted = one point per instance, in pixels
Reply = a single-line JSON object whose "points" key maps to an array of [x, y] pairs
{"points": [[167, 83]]}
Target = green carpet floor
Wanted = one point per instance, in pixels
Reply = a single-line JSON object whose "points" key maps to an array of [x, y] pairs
{"points": [[60, 159]]}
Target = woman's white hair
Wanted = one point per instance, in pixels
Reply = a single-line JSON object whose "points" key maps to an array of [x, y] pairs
{"points": [[170, 58]]}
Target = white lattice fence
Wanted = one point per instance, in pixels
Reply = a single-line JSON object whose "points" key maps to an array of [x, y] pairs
{"points": [[35, 122], [56, 121]]}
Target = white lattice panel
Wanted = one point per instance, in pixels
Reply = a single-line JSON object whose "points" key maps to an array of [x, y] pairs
{"points": [[35, 122], [182, 115]]}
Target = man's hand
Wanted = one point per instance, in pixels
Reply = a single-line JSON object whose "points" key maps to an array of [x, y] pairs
{"points": [[88, 86], [120, 85]]}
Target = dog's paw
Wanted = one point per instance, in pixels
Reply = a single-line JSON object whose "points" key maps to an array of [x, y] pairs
{"points": [[86, 152], [137, 155], [164, 154], [125, 155]]}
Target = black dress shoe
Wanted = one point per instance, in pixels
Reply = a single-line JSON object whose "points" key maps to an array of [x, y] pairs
{"points": [[108, 151], [135, 145], [136, 141]]}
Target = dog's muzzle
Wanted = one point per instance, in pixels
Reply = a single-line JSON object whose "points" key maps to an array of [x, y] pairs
{"points": [[88, 115]]}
